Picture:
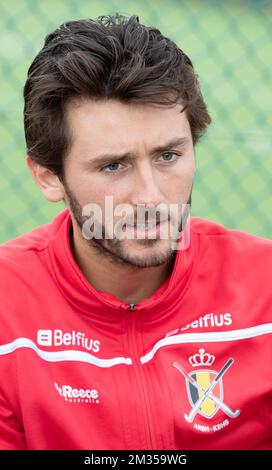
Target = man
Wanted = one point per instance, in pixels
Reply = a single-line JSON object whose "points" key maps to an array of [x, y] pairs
{"points": [[148, 330]]}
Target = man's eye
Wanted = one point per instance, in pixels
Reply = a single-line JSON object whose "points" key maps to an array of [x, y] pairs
{"points": [[166, 158], [115, 168], [111, 168]]}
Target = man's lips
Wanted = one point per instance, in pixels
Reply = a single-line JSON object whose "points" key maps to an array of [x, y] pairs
{"points": [[146, 228], [147, 225]]}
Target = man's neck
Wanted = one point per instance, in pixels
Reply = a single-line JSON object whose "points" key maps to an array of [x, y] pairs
{"points": [[103, 275]]}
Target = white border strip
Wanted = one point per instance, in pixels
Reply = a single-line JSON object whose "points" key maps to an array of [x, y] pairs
{"points": [[58, 356], [210, 337]]}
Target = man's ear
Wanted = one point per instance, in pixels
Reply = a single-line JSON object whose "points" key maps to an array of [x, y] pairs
{"points": [[48, 182]]}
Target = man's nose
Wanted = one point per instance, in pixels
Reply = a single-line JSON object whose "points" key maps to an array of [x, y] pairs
{"points": [[145, 188]]}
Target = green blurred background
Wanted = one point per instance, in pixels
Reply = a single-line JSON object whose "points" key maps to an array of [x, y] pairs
{"points": [[230, 45]]}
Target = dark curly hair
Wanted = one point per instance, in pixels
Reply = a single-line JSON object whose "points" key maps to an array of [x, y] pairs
{"points": [[111, 57]]}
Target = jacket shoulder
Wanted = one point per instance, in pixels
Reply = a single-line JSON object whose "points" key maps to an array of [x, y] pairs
{"points": [[209, 228], [33, 241]]}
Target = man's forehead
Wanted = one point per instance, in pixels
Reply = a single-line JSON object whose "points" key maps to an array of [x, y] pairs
{"points": [[113, 127], [89, 106]]}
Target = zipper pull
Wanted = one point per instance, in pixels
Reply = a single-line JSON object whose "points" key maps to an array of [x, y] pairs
{"points": [[132, 307]]}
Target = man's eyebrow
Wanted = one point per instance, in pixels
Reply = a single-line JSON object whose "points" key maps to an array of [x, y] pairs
{"points": [[108, 158]]}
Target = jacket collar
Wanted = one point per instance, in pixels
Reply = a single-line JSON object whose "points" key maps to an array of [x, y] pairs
{"points": [[84, 297]]}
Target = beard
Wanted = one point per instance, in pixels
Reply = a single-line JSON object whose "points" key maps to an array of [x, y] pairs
{"points": [[119, 252]]}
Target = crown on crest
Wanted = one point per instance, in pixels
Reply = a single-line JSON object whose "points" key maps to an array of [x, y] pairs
{"points": [[201, 359]]}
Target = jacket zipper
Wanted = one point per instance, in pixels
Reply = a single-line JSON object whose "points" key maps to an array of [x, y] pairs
{"points": [[132, 307], [141, 380]]}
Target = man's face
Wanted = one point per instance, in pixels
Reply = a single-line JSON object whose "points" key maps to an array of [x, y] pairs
{"points": [[102, 132]]}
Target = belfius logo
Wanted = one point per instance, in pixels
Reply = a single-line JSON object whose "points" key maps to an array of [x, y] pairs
{"points": [[73, 338]]}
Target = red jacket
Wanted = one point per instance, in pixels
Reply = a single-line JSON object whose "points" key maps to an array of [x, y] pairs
{"points": [[187, 368]]}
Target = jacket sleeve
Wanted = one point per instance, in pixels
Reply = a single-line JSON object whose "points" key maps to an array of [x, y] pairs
{"points": [[11, 430], [11, 421], [11, 434]]}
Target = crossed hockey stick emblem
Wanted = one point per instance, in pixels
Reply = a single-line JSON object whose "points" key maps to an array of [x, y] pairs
{"points": [[207, 393]]}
